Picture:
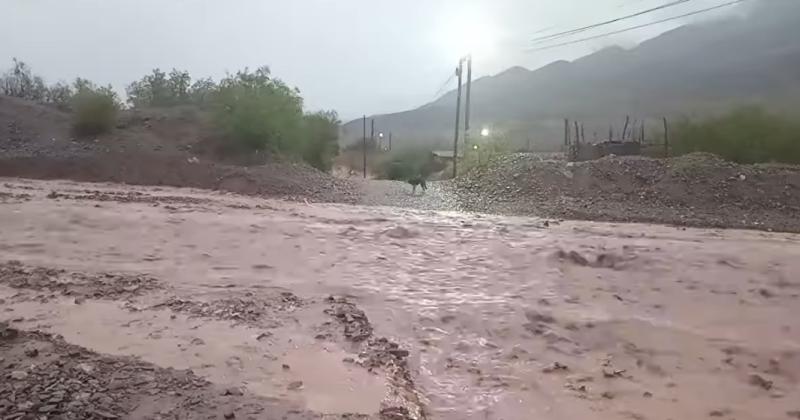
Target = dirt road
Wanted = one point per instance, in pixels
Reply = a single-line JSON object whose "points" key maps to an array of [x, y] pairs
{"points": [[289, 310]]}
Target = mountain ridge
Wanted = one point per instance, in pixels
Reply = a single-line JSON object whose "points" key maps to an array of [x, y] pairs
{"points": [[693, 69]]}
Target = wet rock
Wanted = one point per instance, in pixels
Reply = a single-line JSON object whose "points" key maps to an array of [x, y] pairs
{"points": [[759, 381], [47, 408], [32, 352], [555, 367], [766, 293], [229, 415], [613, 373], [104, 414], [606, 260], [19, 375], [573, 257], [399, 353], [535, 316], [285, 366], [7, 333], [399, 232], [86, 368], [719, 413], [395, 413], [357, 327], [295, 385], [234, 391]]}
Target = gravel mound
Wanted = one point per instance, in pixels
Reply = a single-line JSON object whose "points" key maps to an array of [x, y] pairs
{"points": [[698, 189]]}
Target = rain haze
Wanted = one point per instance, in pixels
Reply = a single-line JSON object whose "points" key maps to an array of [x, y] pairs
{"points": [[355, 57], [292, 210]]}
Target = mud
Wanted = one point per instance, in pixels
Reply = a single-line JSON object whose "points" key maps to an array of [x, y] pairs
{"points": [[247, 309], [380, 353], [45, 377], [75, 284], [487, 317]]}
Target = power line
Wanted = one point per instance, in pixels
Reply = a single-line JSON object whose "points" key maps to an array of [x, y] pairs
{"points": [[696, 12], [443, 87], [541, 39]]}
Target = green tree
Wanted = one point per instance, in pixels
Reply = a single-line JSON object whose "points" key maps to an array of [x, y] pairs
{"points": [[94, 108], [320, 139], [258, 112], [744, 135]]}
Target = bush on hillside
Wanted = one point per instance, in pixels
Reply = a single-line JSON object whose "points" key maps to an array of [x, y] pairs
{"points": [[20, 82], [320, 139], [161, 89], [258, 112], [745, 135], [94, 108]]}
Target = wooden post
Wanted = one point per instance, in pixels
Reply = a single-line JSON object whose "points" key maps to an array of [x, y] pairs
{"points": [[666, 138], [625, 129], [365, 147], [583, 134], [641, 138], [459, 72], [577, 134], [566, 135]]}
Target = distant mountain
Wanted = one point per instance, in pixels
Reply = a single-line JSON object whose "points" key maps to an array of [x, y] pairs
{"points": [[693, 69]]}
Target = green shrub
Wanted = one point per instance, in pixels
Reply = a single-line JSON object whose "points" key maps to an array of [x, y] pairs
{"points": [[745, 135], [258, 112], [161, 89], [320, 139], [94, 109]]}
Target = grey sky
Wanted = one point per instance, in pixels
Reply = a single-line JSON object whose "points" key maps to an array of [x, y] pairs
{"points": [[354, 56]]}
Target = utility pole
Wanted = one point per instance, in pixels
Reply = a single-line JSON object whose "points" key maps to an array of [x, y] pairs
{"points": [[466, 106], [365, 146], [372, 133], [666, 138], [459, 72], [390, 141]]}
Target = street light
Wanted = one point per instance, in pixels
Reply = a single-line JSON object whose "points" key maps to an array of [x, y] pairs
{"points": [[485, 132]]}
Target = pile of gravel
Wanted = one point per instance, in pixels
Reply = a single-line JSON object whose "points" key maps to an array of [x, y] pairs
{"points": [[698, 189]]}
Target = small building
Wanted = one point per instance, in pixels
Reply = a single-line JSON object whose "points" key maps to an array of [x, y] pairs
{"points": [[444, 156], [597, 150]]}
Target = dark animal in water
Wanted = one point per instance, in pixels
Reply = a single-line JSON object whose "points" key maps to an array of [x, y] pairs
{"points": [[418, 180]]}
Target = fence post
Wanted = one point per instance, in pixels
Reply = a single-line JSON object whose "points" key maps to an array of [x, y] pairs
{"points": [[666, 138]]}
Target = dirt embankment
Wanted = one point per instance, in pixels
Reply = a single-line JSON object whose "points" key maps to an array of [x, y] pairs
{"points": [[693, 190], [174, 147]]}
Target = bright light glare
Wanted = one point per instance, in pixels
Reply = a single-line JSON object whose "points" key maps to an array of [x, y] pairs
{"points": [[485, 132], [469, 33]]}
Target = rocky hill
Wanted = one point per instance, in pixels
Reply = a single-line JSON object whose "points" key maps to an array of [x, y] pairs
{"points": [[693, 69]]}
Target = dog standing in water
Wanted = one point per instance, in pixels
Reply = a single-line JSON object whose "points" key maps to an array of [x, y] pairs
{"points": [[415, 181]]}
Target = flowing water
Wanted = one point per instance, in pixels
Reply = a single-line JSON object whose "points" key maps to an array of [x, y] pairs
{"points": [[505, 318]]}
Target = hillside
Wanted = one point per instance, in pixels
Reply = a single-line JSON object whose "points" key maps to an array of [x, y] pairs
{"points": [[159, 146], [693, 69]]}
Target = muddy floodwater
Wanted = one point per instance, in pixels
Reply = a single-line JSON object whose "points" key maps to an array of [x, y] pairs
{"points": [[397, 313]]}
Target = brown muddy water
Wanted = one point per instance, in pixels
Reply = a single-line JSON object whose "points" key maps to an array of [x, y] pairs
{"points": [[502, 318]]}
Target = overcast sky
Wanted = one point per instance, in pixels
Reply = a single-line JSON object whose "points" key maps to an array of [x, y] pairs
{"points": [[354, 56]]}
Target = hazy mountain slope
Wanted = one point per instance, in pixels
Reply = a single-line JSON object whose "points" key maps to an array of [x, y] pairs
{"points": [[692, 69]]}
